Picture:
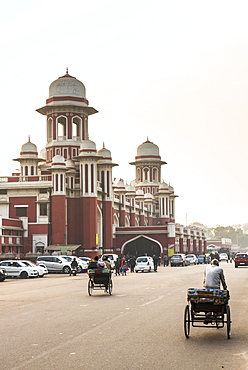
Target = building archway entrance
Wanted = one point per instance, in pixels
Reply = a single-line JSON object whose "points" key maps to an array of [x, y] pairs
{"points": [[141, 246]]}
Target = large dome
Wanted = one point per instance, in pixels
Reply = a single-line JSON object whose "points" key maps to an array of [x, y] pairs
{"points": [[148, 149], [67, 89]]}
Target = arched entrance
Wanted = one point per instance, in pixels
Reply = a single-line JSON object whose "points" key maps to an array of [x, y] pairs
{"points": [[141, 246]]}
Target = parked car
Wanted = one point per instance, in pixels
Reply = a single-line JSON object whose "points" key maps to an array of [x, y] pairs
{"points": [[203, 258], [42, 270], [111, 257], [192, 259], [241, 259], [54, 264], [3, 274], [179, 260], [83, 265], [17, 268], [86, 259], [144, 263], [223, 257]]}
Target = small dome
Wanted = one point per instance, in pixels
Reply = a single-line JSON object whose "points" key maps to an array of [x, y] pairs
{"points": [[163, 186], [43, 153], [58, 160], [29, 150], [106, 154], [70, 165], [87, 147], [148, 197], [140, 193], [130, 190], [120, 186]]}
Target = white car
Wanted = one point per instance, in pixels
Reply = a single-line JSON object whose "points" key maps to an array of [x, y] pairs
{"points": [[144, 263], [223, 257], [83, 265], [19, 269], [41, 269], [111, 258], [192, 259]]}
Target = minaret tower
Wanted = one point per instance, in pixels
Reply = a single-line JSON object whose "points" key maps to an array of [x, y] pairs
{"points": [[67, 111], [148, 168]]}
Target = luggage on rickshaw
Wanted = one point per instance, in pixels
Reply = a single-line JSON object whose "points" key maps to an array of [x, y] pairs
{"points": [[207, 308], [100, 279]]}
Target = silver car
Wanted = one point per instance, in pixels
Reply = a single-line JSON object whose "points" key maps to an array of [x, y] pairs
{"points": [[54, 264]]}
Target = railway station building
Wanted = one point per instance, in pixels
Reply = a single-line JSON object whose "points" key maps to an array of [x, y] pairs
{"points": [[64, 200]]}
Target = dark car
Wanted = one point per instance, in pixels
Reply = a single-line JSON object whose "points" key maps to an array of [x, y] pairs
{"points": [[241, 259], [179, 260]]}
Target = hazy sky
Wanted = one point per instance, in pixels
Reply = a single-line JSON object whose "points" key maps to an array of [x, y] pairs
{"points": [[175, 71]]}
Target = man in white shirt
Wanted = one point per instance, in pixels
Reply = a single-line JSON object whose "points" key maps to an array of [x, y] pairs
{"points": [[213, 276]]}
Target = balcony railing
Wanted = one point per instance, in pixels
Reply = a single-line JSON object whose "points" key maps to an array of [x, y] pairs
{"points": [[39, 178]]}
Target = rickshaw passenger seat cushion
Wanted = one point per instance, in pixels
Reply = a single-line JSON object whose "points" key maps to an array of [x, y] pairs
{"points": [[216, 296], [98, 272]]}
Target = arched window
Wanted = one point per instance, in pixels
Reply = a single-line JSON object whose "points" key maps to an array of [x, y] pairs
{"points": [[92, 178], [26, 170], [56, 182], [62, 128], [49, 129], [155, 174], [86, 179], [32, 170], [145, 174], [76, 128], [138, 174], [61, 182]]}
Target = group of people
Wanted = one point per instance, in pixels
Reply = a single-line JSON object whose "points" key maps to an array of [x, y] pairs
{"points": [[122, 266], [213, 274]]}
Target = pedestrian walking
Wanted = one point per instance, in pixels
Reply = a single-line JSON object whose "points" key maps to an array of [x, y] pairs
{"points": [[132, 264], [117, 266], [155, 262]]}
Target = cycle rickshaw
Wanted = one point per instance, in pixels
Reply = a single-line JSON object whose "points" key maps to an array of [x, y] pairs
{"points": [[100, 279], [207, 308]]}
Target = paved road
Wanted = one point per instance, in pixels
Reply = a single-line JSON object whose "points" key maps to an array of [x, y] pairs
{"points": [[52, 323]]}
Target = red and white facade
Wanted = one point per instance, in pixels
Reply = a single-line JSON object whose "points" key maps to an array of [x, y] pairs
{"points": [[66, 199]]}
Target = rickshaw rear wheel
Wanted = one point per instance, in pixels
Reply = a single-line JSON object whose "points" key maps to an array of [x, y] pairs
{"points": [[187, 321], [110, 287], [228, 321], [90, 286]]}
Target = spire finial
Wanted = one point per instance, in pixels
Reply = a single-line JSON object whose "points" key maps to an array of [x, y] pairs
{"points": [[103, 145], [147, 139], [67, 70], [29, 138]]}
